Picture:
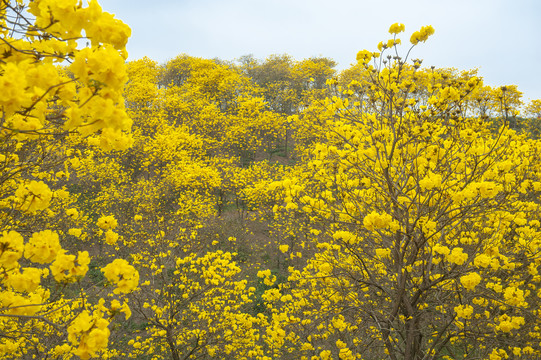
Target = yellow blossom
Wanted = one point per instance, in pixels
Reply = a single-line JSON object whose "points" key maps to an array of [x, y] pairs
{"points": [[123, 275], [42, 247], [470, 281]]}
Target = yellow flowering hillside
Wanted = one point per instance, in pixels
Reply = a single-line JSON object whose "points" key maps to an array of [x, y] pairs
{"points": [[259, 209]]}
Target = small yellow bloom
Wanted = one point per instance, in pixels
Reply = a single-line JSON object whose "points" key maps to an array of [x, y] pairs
{"points": [[121, 273], [397, 28], [107, 222], [470, 281]]}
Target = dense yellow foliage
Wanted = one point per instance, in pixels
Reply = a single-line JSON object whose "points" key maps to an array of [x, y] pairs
{"points": [[267, 210]]}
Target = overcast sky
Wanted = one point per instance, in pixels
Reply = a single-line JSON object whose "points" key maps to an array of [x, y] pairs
{"points": [[499, 37]]}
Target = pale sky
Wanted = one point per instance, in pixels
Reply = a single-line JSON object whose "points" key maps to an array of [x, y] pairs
{"points": [[500, 37]]}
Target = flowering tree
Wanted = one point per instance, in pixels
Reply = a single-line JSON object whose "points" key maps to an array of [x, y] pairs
{"points": [[54, 91], [426, 224]]}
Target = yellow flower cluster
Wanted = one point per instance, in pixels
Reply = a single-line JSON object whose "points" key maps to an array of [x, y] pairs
{"points": [[457, 256], [42, 247], [421, 35], [66, 269], [470, 281], [123, 275], [464, 311], [99, 71], [89, 333], [27, 281], [397, 28], [514, 296], [506, 323], [482, 260], [117, 307], [364, 56], [383, 253], [73, 213], [430, 181], [26, 305], [376, 221], [346, 236], [107, 222], [33, 196], [11, 247]]}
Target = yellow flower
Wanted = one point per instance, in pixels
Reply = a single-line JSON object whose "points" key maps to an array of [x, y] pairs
{"points": [[325, 355], [42, 247], [383, 253], [66, 269], [13, 83], [482, 260], [374, 221], [107, 222], [75, 232], [464, 311], [264, 273], [514, 296], [457, 256], [430, 181], [33, 196], [364, 56], [121, 273], [325, 268], [89, 333], [11, 247], [111, 237], [116, 307], [27, 281], [397, 28], [73, 213], [470, 281], [421, 35], [441, 249], [346, 236]]}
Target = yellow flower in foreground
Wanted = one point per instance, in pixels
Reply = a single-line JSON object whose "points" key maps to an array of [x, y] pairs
{"points": [[89, 333], [33, 196], [66, 268], [11, 248], [27, 281], [42, 247]]}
